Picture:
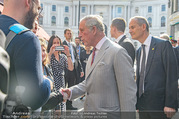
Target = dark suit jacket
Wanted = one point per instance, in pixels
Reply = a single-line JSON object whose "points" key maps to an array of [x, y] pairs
{"points": [[128, 45], [77, 65], [160, 84], [177, 57]]}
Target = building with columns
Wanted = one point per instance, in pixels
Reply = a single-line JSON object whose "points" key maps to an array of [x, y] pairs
{"points": [[173, 21], [61, 14]]}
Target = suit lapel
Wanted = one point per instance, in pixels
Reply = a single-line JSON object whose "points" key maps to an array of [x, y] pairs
{"points": [[100, 54], [150, 55], [122, 39]]}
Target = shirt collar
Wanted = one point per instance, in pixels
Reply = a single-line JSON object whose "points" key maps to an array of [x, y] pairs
{"points": [[148, 40], [100, 43], [67, 41], [118, 39]]}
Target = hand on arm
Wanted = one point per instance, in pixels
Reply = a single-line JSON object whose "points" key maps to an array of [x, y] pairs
{"points": [[67, 91]]}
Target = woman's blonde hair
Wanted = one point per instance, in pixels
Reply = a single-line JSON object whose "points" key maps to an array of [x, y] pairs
{"points": [[43, 43]]}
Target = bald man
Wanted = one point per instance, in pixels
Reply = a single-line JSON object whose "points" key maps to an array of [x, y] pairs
{"points": [[26, 78]]}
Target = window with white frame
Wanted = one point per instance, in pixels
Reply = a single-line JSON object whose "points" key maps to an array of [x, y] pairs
{"points": [[53, 32], [163, 8], [41, 5], [53, 8], [150, 21], [53, 21], [119, 10], [163, 21], [41, 20], [66, 21], [66, 9], [83, 10], [149, 9]]}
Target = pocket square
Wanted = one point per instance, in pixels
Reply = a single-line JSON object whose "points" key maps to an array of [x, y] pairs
{"points": [[101, 64]]}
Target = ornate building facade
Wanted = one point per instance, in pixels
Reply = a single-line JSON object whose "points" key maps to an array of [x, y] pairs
{"points": [[173, 21], [61, 14]]}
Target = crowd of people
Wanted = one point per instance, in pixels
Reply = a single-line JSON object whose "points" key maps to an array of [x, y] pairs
{"points": [[52, 72]]}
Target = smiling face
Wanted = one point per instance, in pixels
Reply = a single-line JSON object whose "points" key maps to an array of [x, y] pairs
{"points": [[85, 34], [135, 29], [56, 41]]}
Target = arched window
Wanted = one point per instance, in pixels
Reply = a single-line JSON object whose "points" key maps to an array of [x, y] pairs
{"points": [[66, 21], [150, 21], [163, 21], [53, 20]]}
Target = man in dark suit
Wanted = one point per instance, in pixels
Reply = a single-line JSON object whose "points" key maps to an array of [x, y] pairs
{"points": [[117, 31], [156, 73], [79, 50], [71, 77]]}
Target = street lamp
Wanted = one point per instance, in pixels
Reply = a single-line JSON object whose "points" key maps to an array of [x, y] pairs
{"points": [[79, 16]]}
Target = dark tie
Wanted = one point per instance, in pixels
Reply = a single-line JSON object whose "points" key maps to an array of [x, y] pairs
{"points": [[142, 72], [93, 55]]}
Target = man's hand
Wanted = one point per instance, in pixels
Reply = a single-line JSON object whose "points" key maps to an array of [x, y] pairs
{"points": [[82, 74], [67, 91], [169, 112]]}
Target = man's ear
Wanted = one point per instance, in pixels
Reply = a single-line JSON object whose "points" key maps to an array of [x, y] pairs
{"points": [[28, 3], [144, 26], [94, 30]]}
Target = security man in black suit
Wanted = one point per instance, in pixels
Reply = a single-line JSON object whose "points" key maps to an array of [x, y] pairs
{"points": [[117, 31], [71, 77], [156, 73]]}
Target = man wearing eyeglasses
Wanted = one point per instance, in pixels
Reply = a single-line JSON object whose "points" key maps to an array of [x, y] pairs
{"points": [[25, 54]]}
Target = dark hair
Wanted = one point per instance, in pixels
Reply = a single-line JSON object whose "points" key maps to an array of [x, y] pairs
{"points": [[119, 23], [1, 5], [50, 42], [67, 30]]}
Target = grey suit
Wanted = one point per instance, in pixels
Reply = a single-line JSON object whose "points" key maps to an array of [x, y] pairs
{"points": [[109, 82]]}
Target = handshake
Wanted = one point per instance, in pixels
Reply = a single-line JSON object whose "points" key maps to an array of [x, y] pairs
{"points": [[66, 93]]}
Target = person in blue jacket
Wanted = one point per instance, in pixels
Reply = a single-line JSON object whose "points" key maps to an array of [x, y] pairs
{"points": [[25, 54]]}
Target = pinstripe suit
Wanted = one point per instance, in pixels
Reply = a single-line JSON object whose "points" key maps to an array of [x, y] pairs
{"points": [[109, 82]]}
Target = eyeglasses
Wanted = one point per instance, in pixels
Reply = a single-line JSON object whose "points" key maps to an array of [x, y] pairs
{"points": [[40, 11]]}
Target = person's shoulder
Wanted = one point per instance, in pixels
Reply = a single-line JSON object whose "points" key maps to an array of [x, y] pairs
{"points": [[28, 36], [114, 46], [127, 40], [158, 40]]}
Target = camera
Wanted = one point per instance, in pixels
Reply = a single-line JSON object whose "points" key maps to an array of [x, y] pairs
{"points": [[59, 48]]}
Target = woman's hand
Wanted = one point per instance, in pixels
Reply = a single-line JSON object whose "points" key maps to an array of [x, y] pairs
{"points": [[52, 49], [66, 50]]}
